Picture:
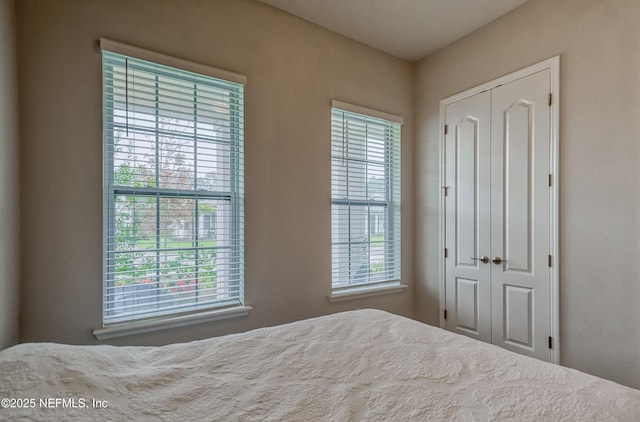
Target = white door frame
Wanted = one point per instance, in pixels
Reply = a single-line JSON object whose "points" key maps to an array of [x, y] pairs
{"points": [[553, 64]]}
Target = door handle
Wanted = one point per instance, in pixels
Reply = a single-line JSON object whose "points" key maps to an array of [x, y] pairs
{"points": [[497, 260], [483, 259]]}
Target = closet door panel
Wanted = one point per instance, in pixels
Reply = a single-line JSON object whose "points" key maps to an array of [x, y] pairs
{"points": [[520, 215], [468, 284]]}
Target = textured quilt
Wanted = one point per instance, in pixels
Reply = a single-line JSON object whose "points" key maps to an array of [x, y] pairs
{"points": [[359, 365]]}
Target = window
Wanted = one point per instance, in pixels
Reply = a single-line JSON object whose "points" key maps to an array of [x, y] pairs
{"points": [[173, 188], [365, 197]]}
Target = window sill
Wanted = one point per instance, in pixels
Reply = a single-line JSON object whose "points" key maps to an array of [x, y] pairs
{"points": [[129, 329], [366, 291]]}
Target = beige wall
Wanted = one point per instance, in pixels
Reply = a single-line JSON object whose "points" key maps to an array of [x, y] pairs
{"points": [[294, 69], [9, 216], [598, 42]]}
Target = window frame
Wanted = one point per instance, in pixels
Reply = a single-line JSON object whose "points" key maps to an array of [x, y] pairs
{"points": [[211, 309], [391, 201]]}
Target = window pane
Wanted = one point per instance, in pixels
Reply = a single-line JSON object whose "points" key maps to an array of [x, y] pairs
{"points": [[360, 244], [214, 162], [177, 229], [176, 158], [134, 156]]}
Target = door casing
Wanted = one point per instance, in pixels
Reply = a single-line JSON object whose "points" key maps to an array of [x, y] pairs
{"points": [[553, 64]]}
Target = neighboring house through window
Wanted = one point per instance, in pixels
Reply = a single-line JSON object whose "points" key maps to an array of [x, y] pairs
{"points": [[365, 197], [173, 187]]}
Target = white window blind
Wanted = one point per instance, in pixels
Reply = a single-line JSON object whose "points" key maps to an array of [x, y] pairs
{"points": [[365, 199], [173, 175]]}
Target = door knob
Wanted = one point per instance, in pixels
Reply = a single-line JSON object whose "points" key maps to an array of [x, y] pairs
{"points": [[497, 260], [483, 259]]}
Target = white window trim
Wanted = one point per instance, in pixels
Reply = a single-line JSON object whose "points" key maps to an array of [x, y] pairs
{"points": [[367, 111], [132, 328], [152, 56], [363, 291]]}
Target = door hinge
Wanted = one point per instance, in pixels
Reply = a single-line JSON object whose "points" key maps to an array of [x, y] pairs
{"points": [[549, 260], [550, 99], [445, 314], [446, 253], [550, 343], [549, 180], [446, 190], [446, 129]]}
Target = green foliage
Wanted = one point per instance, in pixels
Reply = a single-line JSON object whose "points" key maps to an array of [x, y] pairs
{"points": [[377, 267]]}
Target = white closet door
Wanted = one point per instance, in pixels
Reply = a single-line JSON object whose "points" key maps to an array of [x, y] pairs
{"points": [[498, 215], [520, 215], [468, 237]]}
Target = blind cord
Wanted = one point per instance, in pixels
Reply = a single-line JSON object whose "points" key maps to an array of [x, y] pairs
{"points": [[126, 93]]}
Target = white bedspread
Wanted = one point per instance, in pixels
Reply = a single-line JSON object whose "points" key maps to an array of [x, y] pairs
{"points": [[359, 365]]}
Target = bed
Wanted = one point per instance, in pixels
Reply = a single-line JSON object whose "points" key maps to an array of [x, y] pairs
{"points": [[357, 365]]}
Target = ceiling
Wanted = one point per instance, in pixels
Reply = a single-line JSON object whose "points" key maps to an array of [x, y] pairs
{"points": [[409, 29]]}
